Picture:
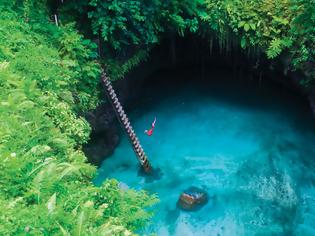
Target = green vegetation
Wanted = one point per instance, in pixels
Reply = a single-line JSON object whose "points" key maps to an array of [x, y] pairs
{"points": [[49, 75], [274, 27]]}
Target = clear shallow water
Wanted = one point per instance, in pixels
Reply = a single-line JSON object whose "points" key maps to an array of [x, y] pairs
{"points": [[252, 149]]}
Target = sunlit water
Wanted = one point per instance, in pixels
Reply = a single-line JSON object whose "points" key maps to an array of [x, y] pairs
{"points": [[251, 148]]}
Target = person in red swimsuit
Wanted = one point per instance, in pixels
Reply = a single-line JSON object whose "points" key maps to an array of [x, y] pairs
{"points": [[150, 131]]}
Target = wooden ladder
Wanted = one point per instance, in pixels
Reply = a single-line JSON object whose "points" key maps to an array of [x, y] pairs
{"points": [[125, 123]]}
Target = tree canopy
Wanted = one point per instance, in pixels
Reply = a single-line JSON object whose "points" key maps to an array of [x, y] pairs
{"points": [[276, 28]]}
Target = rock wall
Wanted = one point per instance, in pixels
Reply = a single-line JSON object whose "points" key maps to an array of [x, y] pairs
{"points": [[104, 135], [311, 98]]}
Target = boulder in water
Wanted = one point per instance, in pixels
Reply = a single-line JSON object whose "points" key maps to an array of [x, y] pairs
{"points": [[192, 199]]}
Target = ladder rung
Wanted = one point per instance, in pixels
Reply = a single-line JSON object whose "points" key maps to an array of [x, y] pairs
{"points": [[142, 155], [112, 96]]}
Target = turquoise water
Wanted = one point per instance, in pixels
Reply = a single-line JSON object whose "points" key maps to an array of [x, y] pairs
{"points": [[251, 148]]}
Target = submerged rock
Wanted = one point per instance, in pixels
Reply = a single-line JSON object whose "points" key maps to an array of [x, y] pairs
{"points": [[155, 174], [192, 199]]}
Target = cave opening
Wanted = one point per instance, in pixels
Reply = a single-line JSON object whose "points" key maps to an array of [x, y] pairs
{"points": [[187, 61]]}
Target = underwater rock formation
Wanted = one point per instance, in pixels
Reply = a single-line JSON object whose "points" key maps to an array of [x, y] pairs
{"points": [[192, 199]]}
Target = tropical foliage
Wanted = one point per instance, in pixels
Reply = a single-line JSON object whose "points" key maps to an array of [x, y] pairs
{"points": [[48, 75], [129, 29], [275, 27]]}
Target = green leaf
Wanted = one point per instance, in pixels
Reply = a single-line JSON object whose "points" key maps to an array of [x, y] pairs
{"points": [[64, 232], [243, 42], [246, 27], [79, 226], [241, 24], [51, 204]]}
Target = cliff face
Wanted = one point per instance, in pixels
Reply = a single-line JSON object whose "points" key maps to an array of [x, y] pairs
{"points": [[105, 133], [311, 98], [296, 79]]}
